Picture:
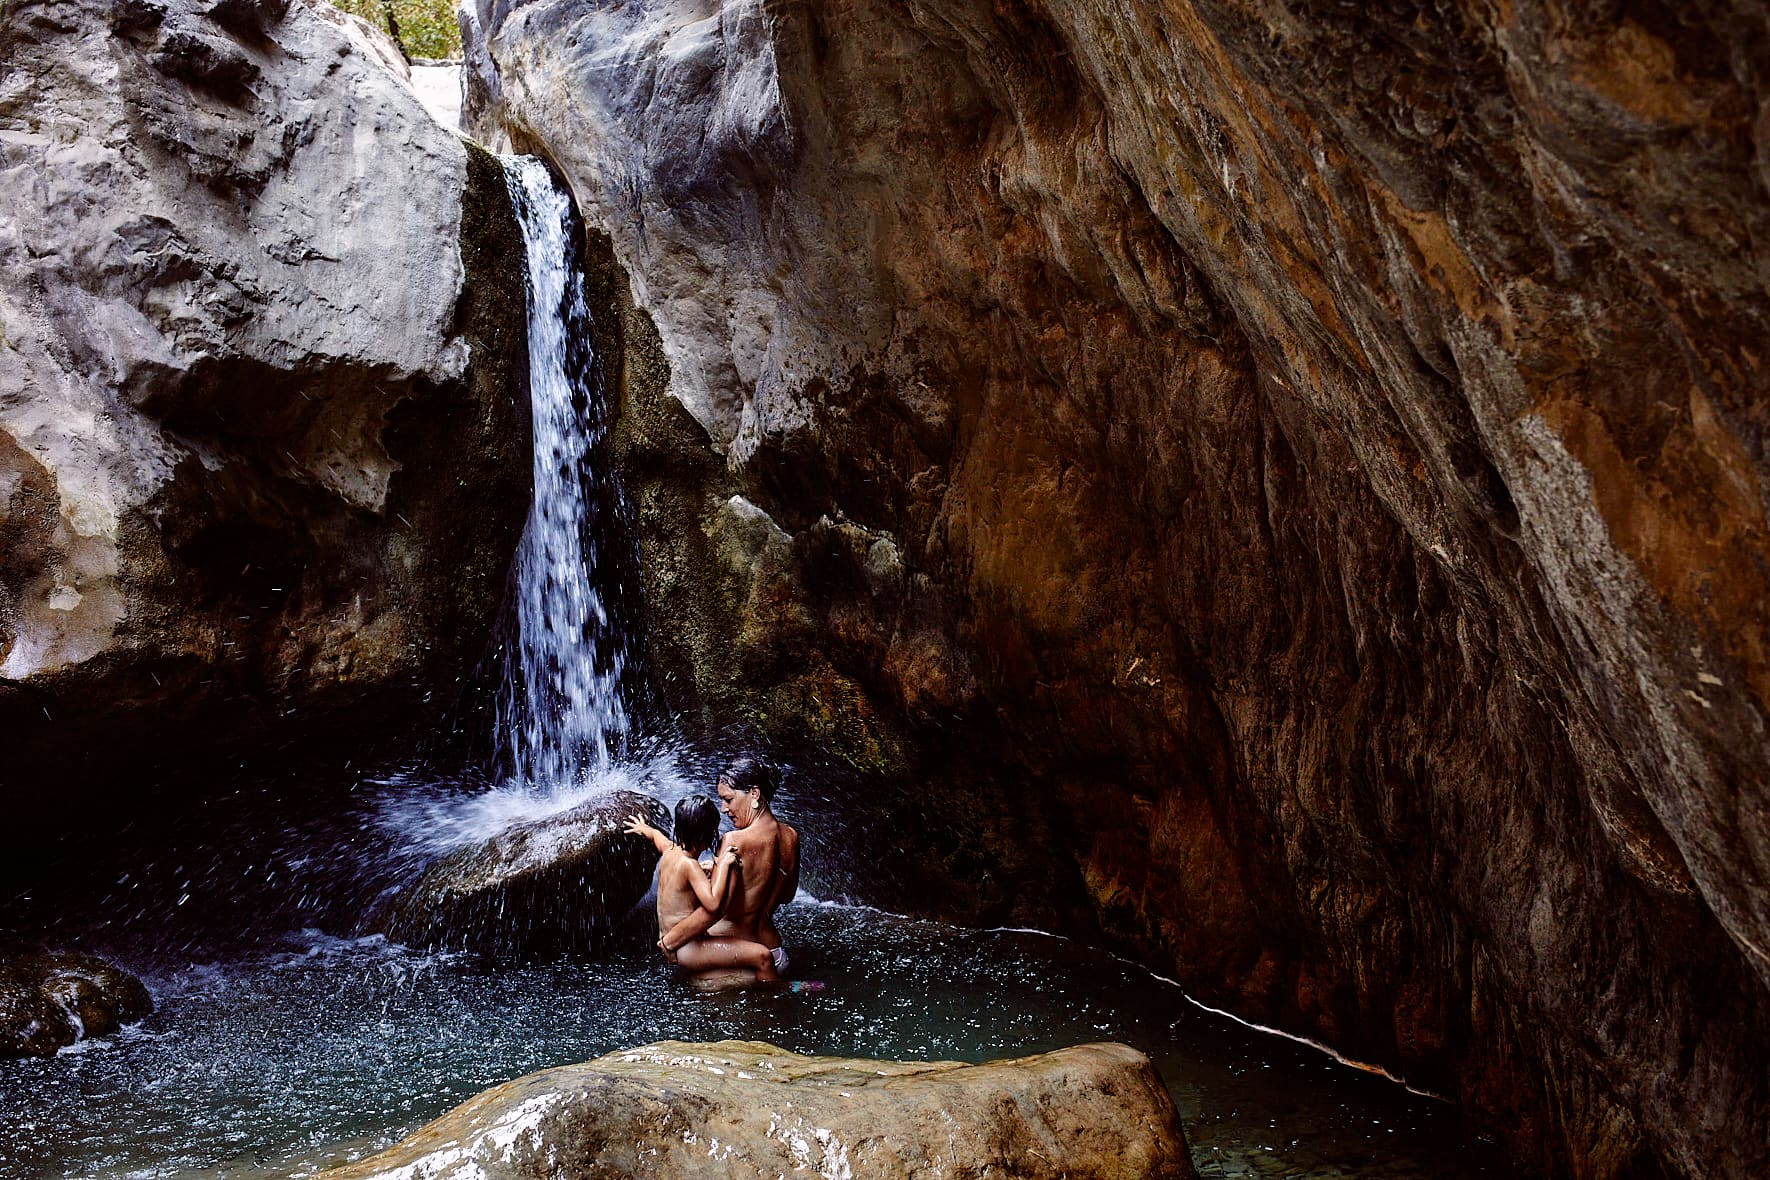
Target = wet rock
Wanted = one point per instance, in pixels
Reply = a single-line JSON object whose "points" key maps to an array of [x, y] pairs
{"points": [[1283, 483], [263, 413], [538, 889], [50, 1000], [744, 1108]]}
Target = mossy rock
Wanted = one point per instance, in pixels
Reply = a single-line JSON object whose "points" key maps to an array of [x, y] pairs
{"points": [[49, 1000]]}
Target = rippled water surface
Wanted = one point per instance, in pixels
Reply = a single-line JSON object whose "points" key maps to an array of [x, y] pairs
{"points": [[325, 1049]]}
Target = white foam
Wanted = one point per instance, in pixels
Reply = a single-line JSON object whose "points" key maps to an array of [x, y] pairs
{"points": [[432, 822], [806, 898]]}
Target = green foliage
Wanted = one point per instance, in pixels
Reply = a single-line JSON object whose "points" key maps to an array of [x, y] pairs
{"points": [[424, 28]]}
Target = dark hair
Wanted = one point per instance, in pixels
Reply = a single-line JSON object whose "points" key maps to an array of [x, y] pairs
{"points": [[697, 822], [746, 773]]}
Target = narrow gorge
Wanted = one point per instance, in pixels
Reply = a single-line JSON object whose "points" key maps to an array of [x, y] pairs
{"points": [[1271, 491]]}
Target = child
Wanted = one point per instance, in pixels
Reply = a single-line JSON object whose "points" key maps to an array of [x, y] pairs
{"points": [[683, 887]]}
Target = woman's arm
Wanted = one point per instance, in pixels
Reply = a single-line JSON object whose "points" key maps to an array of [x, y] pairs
{"points": [[686, 931]]}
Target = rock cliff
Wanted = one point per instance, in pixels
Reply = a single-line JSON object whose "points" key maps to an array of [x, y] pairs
{"points": [[263, 412], [1319, 448]]}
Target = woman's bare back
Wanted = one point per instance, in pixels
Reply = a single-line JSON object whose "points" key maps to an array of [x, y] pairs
{"points": [[766, 876]]}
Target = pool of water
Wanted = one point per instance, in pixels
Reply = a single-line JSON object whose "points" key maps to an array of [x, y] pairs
{"points": [[311, 1049]]}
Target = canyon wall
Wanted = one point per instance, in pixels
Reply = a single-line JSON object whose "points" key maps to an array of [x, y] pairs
{"points": [[263, 400], [1282, 482]]}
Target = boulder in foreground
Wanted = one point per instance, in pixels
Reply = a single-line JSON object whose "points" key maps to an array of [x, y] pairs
{"points": [[744, 1108], [535, 890], [48, 1001]]}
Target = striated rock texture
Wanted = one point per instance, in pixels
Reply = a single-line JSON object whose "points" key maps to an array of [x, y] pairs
{"points": [[263, 410], [1321, 446], [745, 1109], [535, 890], [50, 1000]]}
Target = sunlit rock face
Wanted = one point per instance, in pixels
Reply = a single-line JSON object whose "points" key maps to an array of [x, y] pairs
{"points": [[1320, 446], [262, 414], [674, 1110]]}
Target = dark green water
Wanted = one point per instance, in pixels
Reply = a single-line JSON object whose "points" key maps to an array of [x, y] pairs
{"points": [[290, 1059]]}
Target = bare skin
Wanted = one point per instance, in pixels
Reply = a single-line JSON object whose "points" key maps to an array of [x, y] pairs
{"points": [[685, 890], [767, 875]]}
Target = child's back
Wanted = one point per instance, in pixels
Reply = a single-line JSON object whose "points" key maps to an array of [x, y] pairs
{"points": [[681, 881]]}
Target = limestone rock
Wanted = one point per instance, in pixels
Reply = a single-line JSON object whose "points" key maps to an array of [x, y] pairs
{"points": [[538, 889], [1316, 454], [373, 40], [743, 1108], [49, 1000], [263, 413]]}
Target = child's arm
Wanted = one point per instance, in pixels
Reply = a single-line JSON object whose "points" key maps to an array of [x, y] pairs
{"points": [[686, 931], [638, 827], [713, 894], [696, 923]]}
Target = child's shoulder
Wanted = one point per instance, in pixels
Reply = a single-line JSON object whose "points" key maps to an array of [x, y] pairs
{"points": [[675, 860]]}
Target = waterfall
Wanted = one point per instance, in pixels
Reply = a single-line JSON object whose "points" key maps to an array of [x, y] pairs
{"points": [[559, 709]]}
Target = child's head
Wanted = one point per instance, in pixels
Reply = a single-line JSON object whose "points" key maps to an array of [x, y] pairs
{"points": [[697, 822]]}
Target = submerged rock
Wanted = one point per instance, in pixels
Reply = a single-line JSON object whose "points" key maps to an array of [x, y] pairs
{"points": [[746, 1109], [542, 888], [263, 411], [1286, 481], [51, 1000]]}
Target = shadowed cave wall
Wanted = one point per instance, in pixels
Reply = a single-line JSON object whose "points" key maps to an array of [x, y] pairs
{"points": [[1279, 484]]}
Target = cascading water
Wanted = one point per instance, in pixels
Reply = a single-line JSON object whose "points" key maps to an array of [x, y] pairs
{"points": [[562, 733], [559, 712]]}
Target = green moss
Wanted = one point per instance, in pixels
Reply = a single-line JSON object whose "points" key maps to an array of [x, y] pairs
{"points": [[827, 711], [423, 28]]}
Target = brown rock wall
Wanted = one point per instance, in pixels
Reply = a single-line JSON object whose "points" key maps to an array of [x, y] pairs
{"points": [[1313, 453]]}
